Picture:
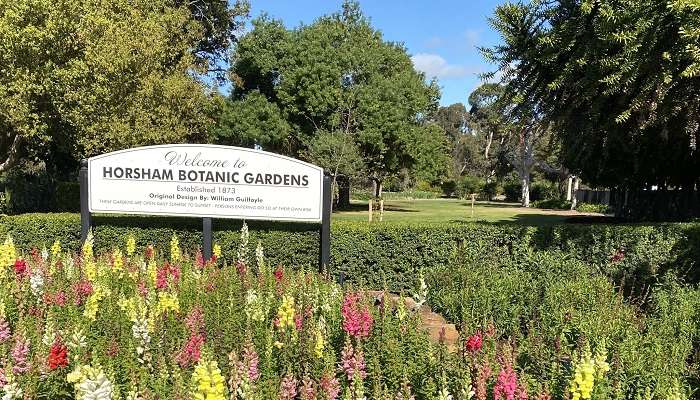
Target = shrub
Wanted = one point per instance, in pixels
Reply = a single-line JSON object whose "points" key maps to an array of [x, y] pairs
{"points": [[469, 185], [513, 190], [552, 204], [449, 187], [592, 208], [548, 302], [492, 189], [394, 253], [543, 190]]}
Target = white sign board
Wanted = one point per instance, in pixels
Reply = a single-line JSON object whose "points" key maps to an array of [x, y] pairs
{"points": [[205, 181]]}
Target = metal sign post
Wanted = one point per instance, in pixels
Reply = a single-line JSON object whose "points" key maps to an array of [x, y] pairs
{"points": [[325, 242], [85, 216]]}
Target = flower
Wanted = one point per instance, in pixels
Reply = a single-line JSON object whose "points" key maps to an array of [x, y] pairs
{"points": [[242, 256], [474, 342], [586, 370], [4, 330], [117, 260], [307, 392], [130, 245], [352, 363], [288, 388], [12, 391], [175, 252], [285, 314], [55, 250], [8, 253], [58, 355], [357, 320], [90, 383], [36, 284], [208, 381], [20, 355], [217, 251], [506, 384], [330, 386], [191, 352], [20, 268]]}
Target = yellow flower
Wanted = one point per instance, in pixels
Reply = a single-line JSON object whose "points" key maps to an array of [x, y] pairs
{"points": [[320, 344], [8, 254], [152, 271], [130, 245], [174, 249], [208, 381], [585, 373], [285, 314], [55, 250], [93, 302], [118, 262], [167, 302], [217, 251]]}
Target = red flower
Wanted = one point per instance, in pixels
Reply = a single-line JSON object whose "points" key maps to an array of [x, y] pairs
{"points": [[474, 342], [357, 319], [279, 273], [618, 256], [20, 267], [58, 355]]}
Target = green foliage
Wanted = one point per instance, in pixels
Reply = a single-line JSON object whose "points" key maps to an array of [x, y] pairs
{"points": [[592, 208], [376, 254], [81, 78], [468, 185], [552, 204], [618, 79], [338, 74], [250, 121], [544, 190], [513, 190], [549, 302]]}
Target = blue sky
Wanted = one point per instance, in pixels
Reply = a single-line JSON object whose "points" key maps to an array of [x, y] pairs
{"points": [[440, 35]]}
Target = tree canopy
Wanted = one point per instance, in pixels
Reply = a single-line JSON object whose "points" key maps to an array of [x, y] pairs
{"points": [[619, 80], [80, 77], [338, 76]]}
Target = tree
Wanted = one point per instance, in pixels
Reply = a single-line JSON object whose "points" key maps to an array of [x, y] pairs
{"points": [[617, 79], [79, 78], [338, 76]]}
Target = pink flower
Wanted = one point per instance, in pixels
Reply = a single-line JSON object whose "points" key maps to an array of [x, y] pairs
{"points": [[251, 359], [82, 289], [20, 355], [474, 342], [192, 352], [482, 377], [352, 363], [199, 259], [618, 256], [3, 378], [308, 392], [195, 320], [357, 319], [330, 386], [506, 384], [4, 331], [288, 388]]}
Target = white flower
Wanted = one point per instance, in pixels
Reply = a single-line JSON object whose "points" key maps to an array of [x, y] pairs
{"points": [[12, 391], [242, 255], [36, 284], [260, 257], [422, 296], [98, 388], [44, 253], [77, 340]]}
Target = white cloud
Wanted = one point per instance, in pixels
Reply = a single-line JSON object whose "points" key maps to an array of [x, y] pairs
{"points": [[434, 65]]}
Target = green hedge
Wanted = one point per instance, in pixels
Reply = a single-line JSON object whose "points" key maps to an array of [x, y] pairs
{"points": [[392, 253]]}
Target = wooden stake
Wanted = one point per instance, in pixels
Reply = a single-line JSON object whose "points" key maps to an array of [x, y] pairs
{"points": [[381, 210], [473, 196], [370, 210]]}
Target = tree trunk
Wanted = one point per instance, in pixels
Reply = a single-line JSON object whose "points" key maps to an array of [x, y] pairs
{"points": [[525, 180], [568, 188], [377, 187], [577, 181]]}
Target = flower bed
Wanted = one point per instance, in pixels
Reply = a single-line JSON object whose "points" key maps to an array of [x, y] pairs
{"points": [[149, 324]]}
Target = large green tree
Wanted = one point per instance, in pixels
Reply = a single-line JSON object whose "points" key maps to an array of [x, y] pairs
{"points": [[618, 79], [80, 77], [338, 76]]}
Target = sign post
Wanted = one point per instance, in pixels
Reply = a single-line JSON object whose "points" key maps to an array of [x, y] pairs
{"points": [[206, 181]]}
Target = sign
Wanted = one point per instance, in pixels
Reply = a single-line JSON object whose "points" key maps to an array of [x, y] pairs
{"points": [[205, 181]]}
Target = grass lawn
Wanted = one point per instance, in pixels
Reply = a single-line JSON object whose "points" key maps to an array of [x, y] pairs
{"points": [[453, 210]]}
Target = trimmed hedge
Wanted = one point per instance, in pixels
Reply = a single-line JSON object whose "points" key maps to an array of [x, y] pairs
{"points": [[392, 254]]}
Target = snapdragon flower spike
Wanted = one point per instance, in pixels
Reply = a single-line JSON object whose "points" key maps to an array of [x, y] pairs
{"points": [[5, 332], [357, 319], [352, 363], [288, 388], [58, 355], [474, 342], [20, 356]]}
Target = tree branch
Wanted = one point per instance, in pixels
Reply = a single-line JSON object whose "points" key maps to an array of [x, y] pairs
{"points": [[12, 155]]}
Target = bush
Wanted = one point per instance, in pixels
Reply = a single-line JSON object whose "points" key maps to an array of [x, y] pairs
{"points": [[548, 302], [469, 185], [492, 189], [592, 208], [393, 253], [543, 190], [513, 191], [552, 204], [449, 187]]}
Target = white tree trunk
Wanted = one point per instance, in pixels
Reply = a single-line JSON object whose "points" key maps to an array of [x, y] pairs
{"points": [[577, 181], [568, 188], [525, 180]]}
